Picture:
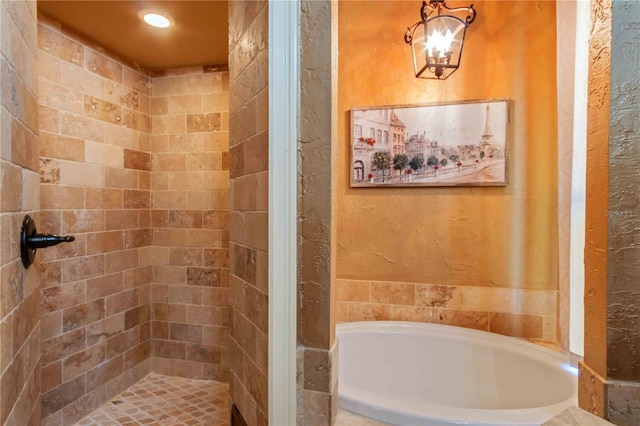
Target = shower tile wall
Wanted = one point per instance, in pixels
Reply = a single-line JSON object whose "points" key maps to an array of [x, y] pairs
{"points": [[249, 152], [95, 184], [190, 218], [20, 301], [149, 209]]}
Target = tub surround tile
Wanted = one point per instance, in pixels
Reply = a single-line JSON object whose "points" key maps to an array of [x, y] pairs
{"points": [[369, 312], [513, 312], [439, 296], [467, 319], [416, 313], [516, 325], [393, 293]]}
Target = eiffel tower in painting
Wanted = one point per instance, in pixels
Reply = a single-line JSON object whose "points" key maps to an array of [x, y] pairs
{"points": [[487, 141]]}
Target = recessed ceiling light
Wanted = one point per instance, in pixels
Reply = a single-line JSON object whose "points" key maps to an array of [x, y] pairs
{"points": [[156, 18]]}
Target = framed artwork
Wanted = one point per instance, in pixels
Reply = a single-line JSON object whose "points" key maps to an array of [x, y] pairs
{"points": [[444, 144]]}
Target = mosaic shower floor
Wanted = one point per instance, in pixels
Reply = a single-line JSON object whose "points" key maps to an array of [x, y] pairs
{"points": [[165, 401]]}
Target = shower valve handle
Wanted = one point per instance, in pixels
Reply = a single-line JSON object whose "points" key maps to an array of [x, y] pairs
{"points": [[30, 241], [46, 240]]}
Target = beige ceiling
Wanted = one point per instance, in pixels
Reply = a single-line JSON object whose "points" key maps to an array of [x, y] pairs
{"points": [[199, 36]]}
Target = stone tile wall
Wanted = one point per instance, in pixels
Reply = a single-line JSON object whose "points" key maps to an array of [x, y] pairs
{"points": [[19, 188], [149, 209], [529, 314], [95, 174], [190, 219], [248, 170]]}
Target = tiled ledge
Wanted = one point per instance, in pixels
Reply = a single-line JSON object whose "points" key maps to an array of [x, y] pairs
{"points": [[514, 312]]}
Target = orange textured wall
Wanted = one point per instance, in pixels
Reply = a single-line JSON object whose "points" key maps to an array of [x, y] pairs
{"points": [[595, 259], [495, 237]]}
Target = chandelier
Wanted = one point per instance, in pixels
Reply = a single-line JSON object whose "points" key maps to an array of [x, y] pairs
{"points": [[437, 46]]}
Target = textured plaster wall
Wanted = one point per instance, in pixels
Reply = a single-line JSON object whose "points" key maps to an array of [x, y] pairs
{"points": [[623, 265], [20, 326], [494, 237], [597, 177], [610, 374], [316, 159], [623, 269], [317, 146]]}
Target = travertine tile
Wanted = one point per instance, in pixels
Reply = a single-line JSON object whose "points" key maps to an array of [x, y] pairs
{"points": [[60, 46], [57, 298], [81, 315], [81, 80], [103, 66], [342, 311], [169, 312], [439, 296], [415, 314], [59, 397], [103, 330], [352, 291], [369, 312], [137, 160], [467, 319], [98, 321], [165, 400], [102, 110], [516, 325], [393, 293], [83, 361], [57, 348], [61, 197]]}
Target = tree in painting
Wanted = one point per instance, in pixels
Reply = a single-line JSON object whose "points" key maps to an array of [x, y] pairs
{"points": [[381, 161]]}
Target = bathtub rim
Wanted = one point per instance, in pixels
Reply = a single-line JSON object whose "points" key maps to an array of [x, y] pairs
{"points": [[386, 409]]}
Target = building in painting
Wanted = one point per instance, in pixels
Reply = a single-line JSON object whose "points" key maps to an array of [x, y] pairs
{"points": [[375, 131]]}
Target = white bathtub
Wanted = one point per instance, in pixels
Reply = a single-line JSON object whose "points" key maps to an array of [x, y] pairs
{"points": [[408, 373]]}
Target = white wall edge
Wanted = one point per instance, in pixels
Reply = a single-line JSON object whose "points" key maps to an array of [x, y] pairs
{"points": [[284, 17], [578, 175]]}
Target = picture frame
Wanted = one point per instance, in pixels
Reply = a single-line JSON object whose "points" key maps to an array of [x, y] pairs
{"points": [[437, 144]]}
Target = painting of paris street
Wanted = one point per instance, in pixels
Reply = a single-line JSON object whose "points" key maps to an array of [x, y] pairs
{"points": [[456, 144]]}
